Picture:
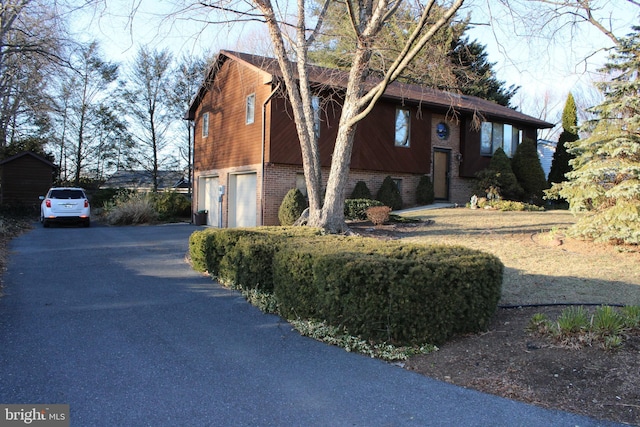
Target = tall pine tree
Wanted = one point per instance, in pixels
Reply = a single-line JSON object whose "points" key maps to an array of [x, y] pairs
{"points": [[526, 167], [560, 164], [604, 186]]}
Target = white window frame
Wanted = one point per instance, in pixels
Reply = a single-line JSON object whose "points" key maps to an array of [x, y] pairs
{"points": [[205, 125], [250, 110], [403, 128], [315, 105], [494, 135]]}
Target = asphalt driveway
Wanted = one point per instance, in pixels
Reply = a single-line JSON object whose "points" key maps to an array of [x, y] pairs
{"points": [[113, 322]]}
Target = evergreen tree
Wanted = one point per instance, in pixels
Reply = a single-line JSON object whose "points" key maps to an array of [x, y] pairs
{"points": [[560, 164], [604, 185], [474, 73], [499, 178], [425, 193], [291, 207], [389, 194], [453, 62], [528, 170], [361, 191]]}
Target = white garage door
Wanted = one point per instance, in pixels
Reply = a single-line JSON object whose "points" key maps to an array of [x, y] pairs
{"points": [[208, 198], [242, 200]]}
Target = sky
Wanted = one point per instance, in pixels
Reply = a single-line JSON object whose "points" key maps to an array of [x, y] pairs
{"points": [[544, 68]]}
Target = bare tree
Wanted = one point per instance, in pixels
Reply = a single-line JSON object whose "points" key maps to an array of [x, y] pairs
{"points": [[187, 75], [148, 96], [82, 101], [31, 40], [565, 22], [293, 35]]}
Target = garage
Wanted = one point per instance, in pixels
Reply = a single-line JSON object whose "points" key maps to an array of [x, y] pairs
{"points": [[208, 198], [242, 200]]}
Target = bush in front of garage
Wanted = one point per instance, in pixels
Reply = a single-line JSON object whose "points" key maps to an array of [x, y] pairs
{"points": [[171, 205], [381, 291], [126, 207]]}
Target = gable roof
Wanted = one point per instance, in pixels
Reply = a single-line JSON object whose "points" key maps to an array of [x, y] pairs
{"points": [[143, 179], [28, 153], [396, 91]]}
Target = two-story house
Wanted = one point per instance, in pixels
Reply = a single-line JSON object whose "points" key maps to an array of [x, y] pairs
{"points": [[245, 141]]}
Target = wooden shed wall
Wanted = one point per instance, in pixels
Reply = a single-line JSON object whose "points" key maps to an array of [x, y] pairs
{"points": [[23, 180]]}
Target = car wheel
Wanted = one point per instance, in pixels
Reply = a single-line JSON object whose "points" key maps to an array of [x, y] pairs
{"points": [[87, 223], [45, 223]]}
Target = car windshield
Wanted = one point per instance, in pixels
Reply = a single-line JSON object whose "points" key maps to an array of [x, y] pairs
{"points": [[66, 194]]}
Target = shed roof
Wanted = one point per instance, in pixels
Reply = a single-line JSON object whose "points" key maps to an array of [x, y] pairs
{"points": [[27, 153], [397, 90]]}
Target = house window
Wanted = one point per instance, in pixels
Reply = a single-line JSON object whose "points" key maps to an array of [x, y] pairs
{"points": [[301, 184], [402, 127], [251, 108], [398, 182], [315, 105], [499, 135], [205, 125]]}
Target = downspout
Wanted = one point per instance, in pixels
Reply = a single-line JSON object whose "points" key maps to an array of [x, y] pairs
{"points": [[264, 138]]}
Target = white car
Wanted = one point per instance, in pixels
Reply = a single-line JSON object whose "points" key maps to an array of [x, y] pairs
{"points": [[65, 204]]}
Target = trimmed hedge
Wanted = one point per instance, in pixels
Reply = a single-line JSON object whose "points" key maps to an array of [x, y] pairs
{"points": [[241, 256], [403, 294]]}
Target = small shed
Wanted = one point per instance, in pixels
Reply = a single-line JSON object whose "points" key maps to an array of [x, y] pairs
{"points": [[24, 177]]}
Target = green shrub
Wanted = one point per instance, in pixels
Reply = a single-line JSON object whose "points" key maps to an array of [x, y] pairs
{"points": [[424, 193], [361, 191], [510, 205], [248, 264], [389, 194], [573, 320], [498, 176], [381, 291], [198, 250], [576, 327], [356, 209], [171, 205], [527, 169], [208, 247], [292, 206], [105, 195], [128, 208], [391, 293]]}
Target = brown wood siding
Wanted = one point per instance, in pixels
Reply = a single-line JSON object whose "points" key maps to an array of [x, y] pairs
{"points": [[230, 142], [472, 161], [373, 148], [23, 180]]}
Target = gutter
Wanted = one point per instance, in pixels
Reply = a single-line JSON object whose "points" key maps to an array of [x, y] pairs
{"points": [[264, 138]]}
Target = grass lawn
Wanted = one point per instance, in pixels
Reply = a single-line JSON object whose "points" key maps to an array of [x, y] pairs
{"points": [[541, 265]]}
